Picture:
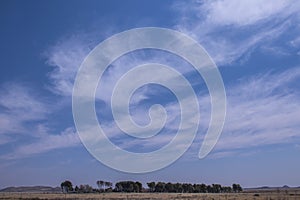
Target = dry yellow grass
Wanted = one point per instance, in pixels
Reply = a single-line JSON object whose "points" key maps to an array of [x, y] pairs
{"points": [[259, 195]]}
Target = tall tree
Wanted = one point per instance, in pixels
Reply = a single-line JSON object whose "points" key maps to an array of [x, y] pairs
{"points": [[235, 187], [119, 187], [209, 189], [216, 188], [76, 189], [226, 189], [107, 184], [160, 187], [138, 187], [203, 188], [66, 186], [169, 187], [239, 188], [85, 188], [100, 184], [128, 186], [151, 186]]}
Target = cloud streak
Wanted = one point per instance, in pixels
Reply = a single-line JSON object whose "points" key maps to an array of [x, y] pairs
{"points": [[24, 115], [19, 104], [262, 110], [243, 25], [66, 139], [223, 28]]}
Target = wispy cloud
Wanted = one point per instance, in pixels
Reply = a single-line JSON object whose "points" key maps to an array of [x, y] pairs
{"points": [[230, 29], [19, 104], [240, 13], [24, 115], [262, 110], [65, 57], [295, 42], [45, 143]]}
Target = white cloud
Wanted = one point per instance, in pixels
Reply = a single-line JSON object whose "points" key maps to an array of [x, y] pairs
{"points": [[240, 13], [24, 114], [20, 105], [262, 111], [230, 29], [47, 142], [21, 100], [295, 42], [66, 57]]}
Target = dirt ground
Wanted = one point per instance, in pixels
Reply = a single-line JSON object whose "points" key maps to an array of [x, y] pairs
{"points": [[252, 195]]}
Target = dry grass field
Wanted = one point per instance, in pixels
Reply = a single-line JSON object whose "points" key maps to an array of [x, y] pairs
{"points": [[290, 194]]}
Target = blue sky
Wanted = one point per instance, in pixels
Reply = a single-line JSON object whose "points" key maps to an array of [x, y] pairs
{"points": [[255, 44]]}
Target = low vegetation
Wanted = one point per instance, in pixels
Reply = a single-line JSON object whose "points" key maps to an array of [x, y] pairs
{"points": [[134, 190], [290, 194]]}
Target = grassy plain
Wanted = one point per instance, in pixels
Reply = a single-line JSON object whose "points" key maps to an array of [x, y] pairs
{"points": [[290, 194]]}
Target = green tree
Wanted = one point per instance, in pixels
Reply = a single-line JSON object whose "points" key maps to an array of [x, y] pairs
{"points": [[169, 187], [151, 186], [203, 188], [66, 186], [226, 189], [178, 187], [138, 187], [160, 187], [100, 185], [239, 188], [128, 186], [76, 189], [107, 185], [209, 189], [236, 187], [216, 188], [85, 188], [118, 187]]}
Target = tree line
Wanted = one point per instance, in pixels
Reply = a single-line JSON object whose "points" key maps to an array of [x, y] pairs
{"points": [[158, 187], [192, 188]]}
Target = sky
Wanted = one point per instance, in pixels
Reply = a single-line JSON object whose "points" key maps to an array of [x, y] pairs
{"points": [[255, 45]]}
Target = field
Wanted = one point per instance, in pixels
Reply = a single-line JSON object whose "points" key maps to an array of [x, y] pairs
{"points": [[290, 194]]}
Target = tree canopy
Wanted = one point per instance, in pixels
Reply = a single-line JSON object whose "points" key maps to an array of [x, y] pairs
{"points": [[159, 187], [66, 186]]}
